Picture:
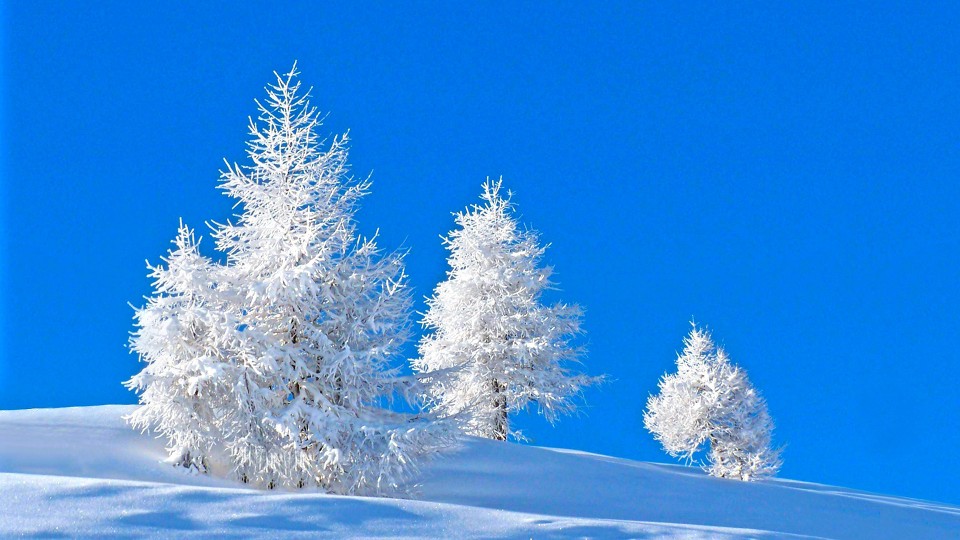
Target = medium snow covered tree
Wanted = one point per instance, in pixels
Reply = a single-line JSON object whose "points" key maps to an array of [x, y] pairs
{"points": [[493, 347], [710, 399], [313, 317]]}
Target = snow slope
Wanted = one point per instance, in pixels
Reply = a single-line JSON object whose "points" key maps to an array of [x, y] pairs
{"points": [[81, 472]]}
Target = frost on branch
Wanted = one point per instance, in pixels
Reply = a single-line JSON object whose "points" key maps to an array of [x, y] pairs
{"points": [[710, 399], [493, 347], [287, 375]]}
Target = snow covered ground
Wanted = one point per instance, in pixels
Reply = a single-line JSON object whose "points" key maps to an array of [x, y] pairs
{"points": [[82, 472]]}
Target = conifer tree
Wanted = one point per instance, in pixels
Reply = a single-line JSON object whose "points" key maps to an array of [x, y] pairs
{"points": [[711, 400], [317, 316], [182, 333], [493, 346]]}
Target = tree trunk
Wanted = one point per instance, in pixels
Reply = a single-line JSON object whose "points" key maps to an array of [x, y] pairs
{"points": [[500, 429]]}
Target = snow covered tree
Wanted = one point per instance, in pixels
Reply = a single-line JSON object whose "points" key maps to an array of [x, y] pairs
{"points": [[316, 316], [493, 347], [182, 334], [710, 399]]}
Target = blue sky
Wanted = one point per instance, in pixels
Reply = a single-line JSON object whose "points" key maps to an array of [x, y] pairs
{"points": [[785, 175]]}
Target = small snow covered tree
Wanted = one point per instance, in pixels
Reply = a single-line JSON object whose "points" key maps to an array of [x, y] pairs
{"points": [[493, 347], [182, 333], [710, 399], [314, 316]]}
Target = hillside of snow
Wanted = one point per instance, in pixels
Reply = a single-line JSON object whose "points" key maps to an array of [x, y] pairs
{"points": [[81, 472]]}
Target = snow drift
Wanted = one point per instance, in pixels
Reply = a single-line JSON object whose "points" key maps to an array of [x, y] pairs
{"points": [[82, 472]]}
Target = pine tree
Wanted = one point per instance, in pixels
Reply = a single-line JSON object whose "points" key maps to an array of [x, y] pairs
{"points": [[710, 399], [318, 316], [183, 334], [493, 347]]}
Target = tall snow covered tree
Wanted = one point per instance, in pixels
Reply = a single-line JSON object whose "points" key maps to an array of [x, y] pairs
{"points": [[316, 316], [493, 347], [710, 399]]}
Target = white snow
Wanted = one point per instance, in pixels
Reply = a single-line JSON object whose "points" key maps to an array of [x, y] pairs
{"points": [[81, 472]]}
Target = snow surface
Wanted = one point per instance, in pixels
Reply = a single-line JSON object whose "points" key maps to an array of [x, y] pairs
{"points": [[81, 472]]}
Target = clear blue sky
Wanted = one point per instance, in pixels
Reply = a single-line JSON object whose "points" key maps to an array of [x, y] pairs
{"points": [[786, 175]]}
